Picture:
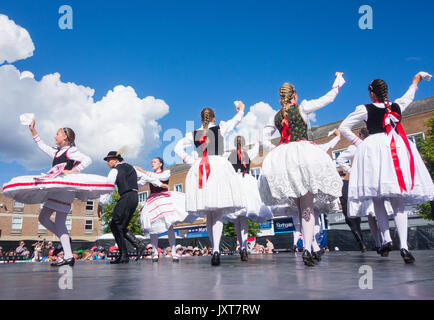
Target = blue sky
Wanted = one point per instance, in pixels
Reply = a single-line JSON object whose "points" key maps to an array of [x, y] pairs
{"points": [[194, 54]]}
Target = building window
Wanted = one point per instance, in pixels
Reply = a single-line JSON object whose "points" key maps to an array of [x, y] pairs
{"points": [[69, 223], [143, 196], [415, 137], [178, 187], [88, 225], [18, 206], [255, 172], [17, 223], [89, 206]]}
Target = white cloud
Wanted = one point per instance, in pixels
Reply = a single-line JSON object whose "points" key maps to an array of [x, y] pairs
{"points": [[119, 119], [252, 124], [15, 41]]}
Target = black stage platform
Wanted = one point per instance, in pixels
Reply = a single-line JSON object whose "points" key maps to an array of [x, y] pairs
{"points": [[264, 277]]}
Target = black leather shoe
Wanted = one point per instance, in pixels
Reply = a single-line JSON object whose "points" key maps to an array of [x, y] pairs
{"points": [[307, 258], [385, 249], [244, 256], [317, 255], [70, 262], [377, 249], [407, 256], [215, 260], [137, 243], [120, 259]]}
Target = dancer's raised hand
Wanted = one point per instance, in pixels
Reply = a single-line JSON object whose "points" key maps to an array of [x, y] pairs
{"points": [[239, 106], [32, 128]]}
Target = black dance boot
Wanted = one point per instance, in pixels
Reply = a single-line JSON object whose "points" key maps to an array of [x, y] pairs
{"points": [[317, 255], [407, 256], [307, 258], [244, 256], [123, 258], [360, 241], [385, 249], [140, 247], [215, 260], [70, 262]]}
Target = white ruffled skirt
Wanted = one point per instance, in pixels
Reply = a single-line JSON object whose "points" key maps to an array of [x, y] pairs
{"points": [[57, 193], [255, 210], [221, 192], [292, 170], [162, 210], [373, 175]]}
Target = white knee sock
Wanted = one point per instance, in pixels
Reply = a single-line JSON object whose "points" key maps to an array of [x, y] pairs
{"points": [[242, 226], [172, 239], [316, 230], [382, 219], [154, 242], [307, 220], [297, 227], [217, 229], [209, 223], [374, 230], [401, 221], [62, 233]]}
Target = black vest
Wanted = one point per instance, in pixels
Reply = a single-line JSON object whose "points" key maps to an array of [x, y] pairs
{"points": [[238, 164], [126, 179], [155, 189], [70, 164], [214, 139], [376, 117]]}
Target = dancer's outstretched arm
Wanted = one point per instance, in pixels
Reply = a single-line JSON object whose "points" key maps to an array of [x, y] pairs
{"points": [[227, 126], [50, 151], [332, 143], [408, 97], [309, 106], [163, 176], [183, 144]]}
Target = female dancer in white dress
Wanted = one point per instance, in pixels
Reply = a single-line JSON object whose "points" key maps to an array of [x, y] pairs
{"points": [[343, 161], [212, 186], [297, 173], [58, 190], [388, 172], [255, 209], [163, 209]]}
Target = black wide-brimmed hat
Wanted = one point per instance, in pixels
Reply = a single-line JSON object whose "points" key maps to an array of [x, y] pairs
{"points": [[113, 155]]}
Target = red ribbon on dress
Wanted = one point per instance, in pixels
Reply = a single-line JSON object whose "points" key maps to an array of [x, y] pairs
{"points": [[393, 118], [204, 162], [242, 158], [285, 135]]}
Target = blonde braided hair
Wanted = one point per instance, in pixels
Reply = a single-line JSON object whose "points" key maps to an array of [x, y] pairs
{"points": [[206, 115], [286, 92]]}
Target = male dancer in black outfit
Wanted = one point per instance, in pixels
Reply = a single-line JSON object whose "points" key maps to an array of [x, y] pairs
{"points": [[125, 178]]}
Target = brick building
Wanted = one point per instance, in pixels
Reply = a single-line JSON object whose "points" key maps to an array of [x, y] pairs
{"points": [[18, 221]]}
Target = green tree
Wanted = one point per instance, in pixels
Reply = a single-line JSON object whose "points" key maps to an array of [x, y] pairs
{"points": [[229, 229], [107, 214], [426, 148]]}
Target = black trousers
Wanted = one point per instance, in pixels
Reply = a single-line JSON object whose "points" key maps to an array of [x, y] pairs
{"points": [[122, 214], [353, 223]]}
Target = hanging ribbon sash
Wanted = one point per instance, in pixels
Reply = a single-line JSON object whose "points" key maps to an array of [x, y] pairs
{"points": [[285, 135], [392, 120], [204, 162], [242, 158]]}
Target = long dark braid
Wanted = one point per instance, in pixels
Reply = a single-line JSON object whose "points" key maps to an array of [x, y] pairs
{"points": [[380, 89]]}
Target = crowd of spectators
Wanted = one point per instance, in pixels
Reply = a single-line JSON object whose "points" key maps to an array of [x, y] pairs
{"points": [[43, 251]]}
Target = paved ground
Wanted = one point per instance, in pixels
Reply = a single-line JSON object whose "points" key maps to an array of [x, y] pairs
{"points": [[264, 277]]}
